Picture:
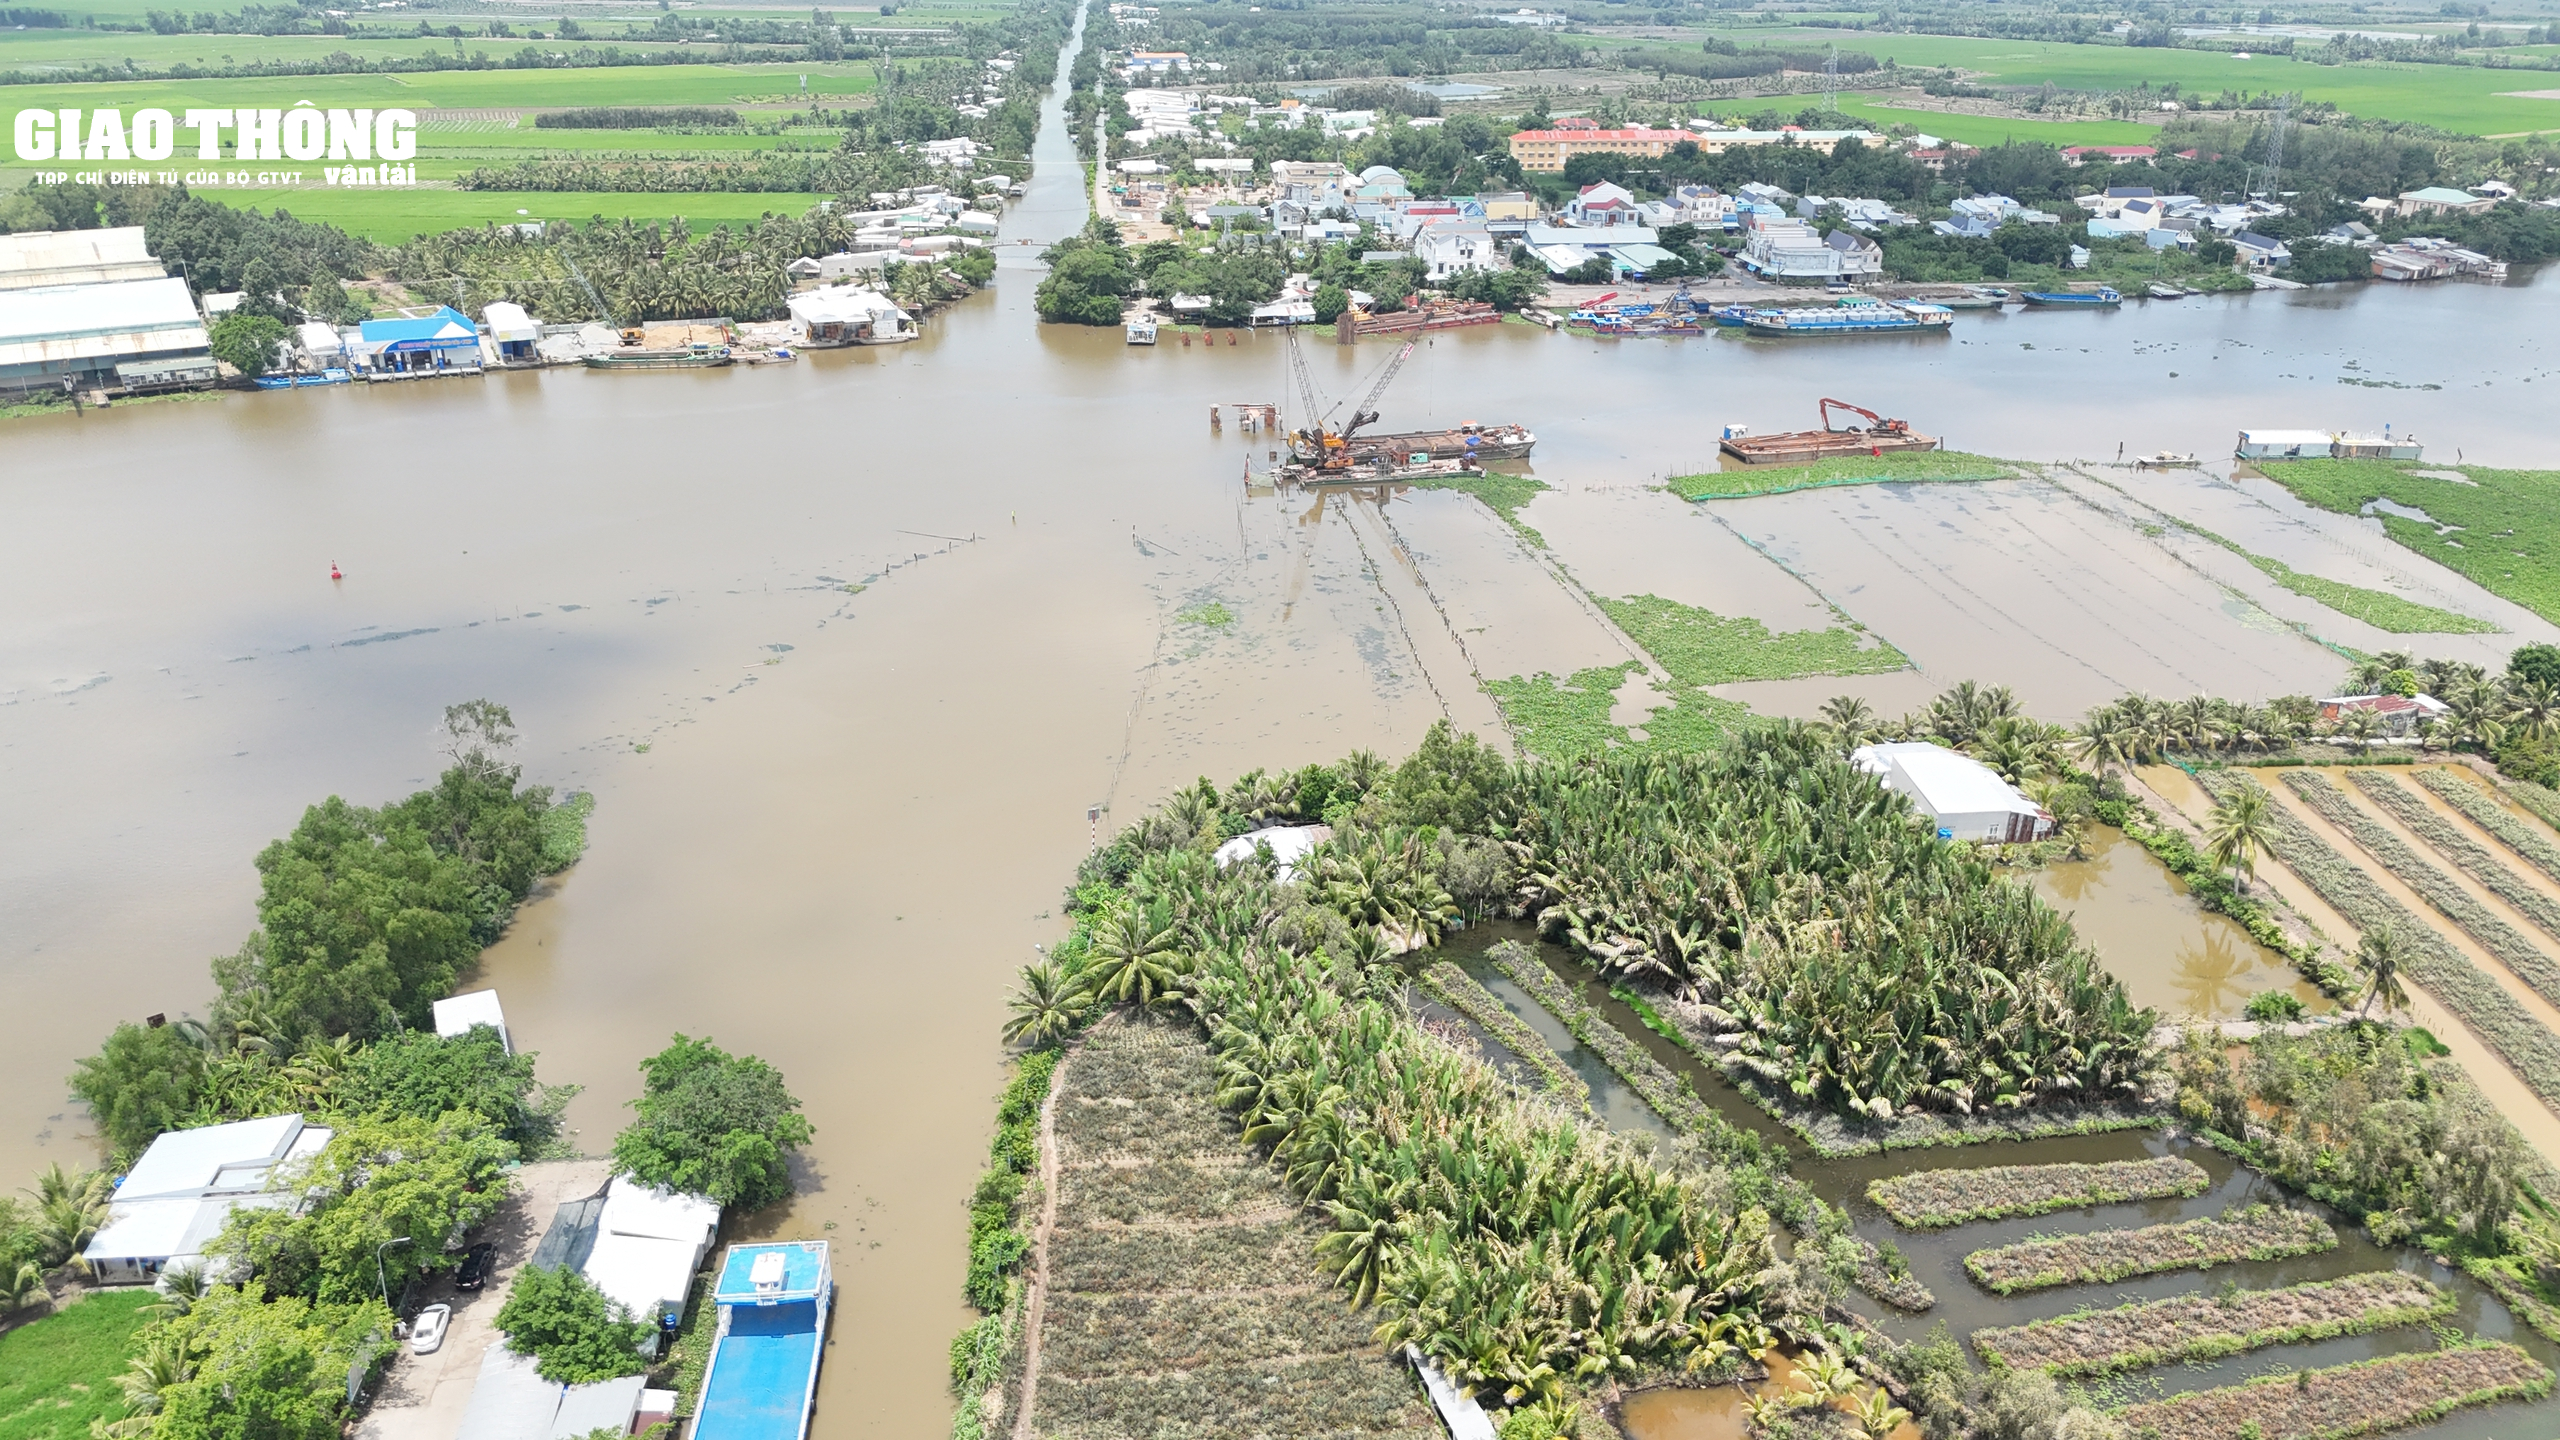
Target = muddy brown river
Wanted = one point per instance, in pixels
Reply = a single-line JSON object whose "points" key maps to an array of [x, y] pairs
{"points": [[846, 650]]}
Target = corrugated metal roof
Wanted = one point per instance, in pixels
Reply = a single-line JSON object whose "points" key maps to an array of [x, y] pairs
{"points": [[91, 322], [75, 257]]}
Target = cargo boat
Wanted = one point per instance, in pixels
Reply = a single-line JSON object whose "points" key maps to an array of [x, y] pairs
{"points": [[697, 356], [1802, 447], [1853, 317], [762, 1380], [2104, 297], [330, 376], [1484, 442], [1141, 330]]}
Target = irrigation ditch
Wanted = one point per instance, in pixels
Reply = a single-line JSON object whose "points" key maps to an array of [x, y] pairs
{"points": [[2338, 1321]]}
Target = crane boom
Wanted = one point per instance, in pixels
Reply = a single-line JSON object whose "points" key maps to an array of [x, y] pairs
{"points": [[1367, 413], [1875, 421], [1314, 413]]}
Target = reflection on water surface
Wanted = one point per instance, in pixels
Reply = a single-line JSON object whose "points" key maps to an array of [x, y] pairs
{"points": [[2171, 953]]}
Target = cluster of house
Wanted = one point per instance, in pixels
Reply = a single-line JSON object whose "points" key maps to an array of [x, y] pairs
{"points": [[979, 103], [2162, 221]]}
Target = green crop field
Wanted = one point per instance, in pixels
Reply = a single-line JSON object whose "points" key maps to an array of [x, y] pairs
{"points": [[393, 217], [2451, 97], [41, 50], [1965, 129], [469, 89]]}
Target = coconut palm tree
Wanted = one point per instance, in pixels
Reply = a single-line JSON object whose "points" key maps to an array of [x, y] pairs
{"points": [[2236, 831], [2360, 725], [2379, 952], [1046, 1007], [162, 1361], [2533, 708], [180, 1288], [1851, 721], [1133, 958]]}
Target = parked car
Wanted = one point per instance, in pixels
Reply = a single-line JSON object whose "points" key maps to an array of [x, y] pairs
{"points": [[474, 1270], [426, 1332]]}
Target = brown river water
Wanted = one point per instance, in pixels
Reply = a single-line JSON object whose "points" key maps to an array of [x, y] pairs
{"points": [[832, 824]]}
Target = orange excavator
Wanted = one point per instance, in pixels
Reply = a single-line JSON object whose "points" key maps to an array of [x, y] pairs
{"points": [[1876, 424], [1317, 446]]}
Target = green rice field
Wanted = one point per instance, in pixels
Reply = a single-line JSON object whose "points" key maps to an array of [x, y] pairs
{"points": [[2451, 97], [469, 89], [393, 217]]}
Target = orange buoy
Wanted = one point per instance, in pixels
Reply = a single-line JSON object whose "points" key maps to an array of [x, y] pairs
{"points": [[333, 571]]}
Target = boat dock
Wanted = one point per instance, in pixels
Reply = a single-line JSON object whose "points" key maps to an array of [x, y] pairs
{"points": [[763, 1376]]}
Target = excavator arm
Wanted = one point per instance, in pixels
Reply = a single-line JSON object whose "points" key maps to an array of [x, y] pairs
{"points": [[1875, 422]]}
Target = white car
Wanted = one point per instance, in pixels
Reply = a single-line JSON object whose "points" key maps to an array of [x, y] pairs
{"points": [[427, 1331]]}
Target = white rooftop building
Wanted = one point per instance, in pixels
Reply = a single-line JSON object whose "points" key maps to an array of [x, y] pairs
{"points": [[457, 1017], [177, 1196], [511, 1401], [648, 1243], [83, 332], [1967, 798], [38, 258]]}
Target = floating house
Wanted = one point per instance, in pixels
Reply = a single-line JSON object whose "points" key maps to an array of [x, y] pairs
{"points": [[763, 1376], [177, 1196], [1967, 798]]}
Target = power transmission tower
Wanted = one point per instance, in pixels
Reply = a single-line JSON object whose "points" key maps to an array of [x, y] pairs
{"points": [[1831, 82], [2275, 145]]}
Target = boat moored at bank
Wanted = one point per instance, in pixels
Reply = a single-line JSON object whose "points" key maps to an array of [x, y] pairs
{"points": [[2105, 297]]}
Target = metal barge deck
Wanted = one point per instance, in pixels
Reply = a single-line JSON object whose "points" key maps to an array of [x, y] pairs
{"points": [[763, 1377], [1801, 447], [1484, 442]]}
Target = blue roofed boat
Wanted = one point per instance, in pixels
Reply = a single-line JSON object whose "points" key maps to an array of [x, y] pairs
{"points": [[763, 1376], [2104, 297]]}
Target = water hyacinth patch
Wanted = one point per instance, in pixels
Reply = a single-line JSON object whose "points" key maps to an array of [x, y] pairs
{"points": [[2207, 1327], [2259, 1232], [2363, 1399], [1935, 1199]]}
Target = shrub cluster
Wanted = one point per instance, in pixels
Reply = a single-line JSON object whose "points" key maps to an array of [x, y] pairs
{"points": [[999, 1238], [2258, 1232], [1934, 1199]]}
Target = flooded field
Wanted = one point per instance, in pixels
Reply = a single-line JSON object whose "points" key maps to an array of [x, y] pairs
{"points": [[1937, 1257], [847, 649], [2172, 955]]}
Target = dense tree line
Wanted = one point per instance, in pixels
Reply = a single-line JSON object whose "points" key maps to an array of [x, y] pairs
{"points": [[1274, 43]]}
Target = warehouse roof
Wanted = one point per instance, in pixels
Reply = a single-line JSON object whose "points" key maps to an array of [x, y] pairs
{"points": [[1945, 782], [90, 322], [75, 257]]}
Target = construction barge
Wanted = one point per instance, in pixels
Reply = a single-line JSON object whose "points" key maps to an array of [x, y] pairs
{"points": [[1879, 436], [1481, 442]]}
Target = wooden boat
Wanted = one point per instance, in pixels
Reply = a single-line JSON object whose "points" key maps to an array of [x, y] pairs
{"points": [[697, 356], [2104, 297]]}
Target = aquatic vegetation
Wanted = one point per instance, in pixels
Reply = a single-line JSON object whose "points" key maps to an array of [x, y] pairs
{"points": [[1899, 469], [1934, 1199], [1184, 1296], [1459, 991], [1702, 648], [2468, 855], [2514, 508], [2208, 1327], [2361, 1399], [1668, 1095], [2511, 946], [2485, 812], [1866, 966], [1502, 494], [2258, 1232], [1212, 613], [2378, 608], [2524, 1042]]}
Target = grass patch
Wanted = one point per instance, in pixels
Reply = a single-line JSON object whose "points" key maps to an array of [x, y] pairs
{"points": [[61, 405], [1501, 494], [2377, 608], [1935, 1199], [1909, 468], [2208, 1327], [1214, 613], [2506, 534], [57, 1374], [2361, 1399], [2102, 1257], [393, 217], [1701, 648]]}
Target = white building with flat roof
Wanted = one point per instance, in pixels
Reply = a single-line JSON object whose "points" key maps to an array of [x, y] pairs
{"points": [[1967, 798], [177, 1196], [37, 259], [82, 332]]}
